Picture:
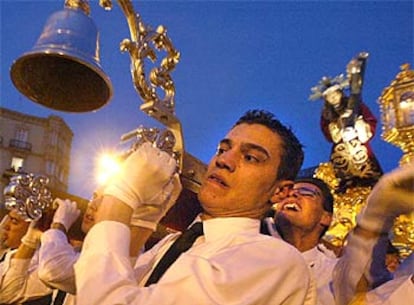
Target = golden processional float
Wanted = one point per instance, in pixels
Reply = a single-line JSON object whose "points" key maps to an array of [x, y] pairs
{"points": [[63, 72], [397, 116]]}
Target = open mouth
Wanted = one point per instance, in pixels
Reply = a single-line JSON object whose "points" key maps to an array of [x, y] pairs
{"points": [[291, 206]]}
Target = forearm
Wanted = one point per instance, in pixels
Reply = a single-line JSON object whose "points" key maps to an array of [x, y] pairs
{"points": [[109, 254], [57, 258], [354, 271], [24, 252], [113, 209], [139, 236]]}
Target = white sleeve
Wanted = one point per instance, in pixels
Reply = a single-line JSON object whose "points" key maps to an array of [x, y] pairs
{"points": [[20, 281], [359, 260], [105, 269], [56, 260], [395, 292]]}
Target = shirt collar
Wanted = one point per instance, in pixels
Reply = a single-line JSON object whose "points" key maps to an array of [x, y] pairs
{"points": [[311, 256], [219, 227]]}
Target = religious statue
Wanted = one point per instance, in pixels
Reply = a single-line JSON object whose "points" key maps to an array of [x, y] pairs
{"points": [[349, 125]]}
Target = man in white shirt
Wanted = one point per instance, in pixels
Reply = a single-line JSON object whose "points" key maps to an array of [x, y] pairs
{"points": [[232, 263], [360, 276], [20, 264], [56, 254], [301, 218]]}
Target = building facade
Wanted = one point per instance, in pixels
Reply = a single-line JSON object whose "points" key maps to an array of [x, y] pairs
{"points": [[34, 145]]}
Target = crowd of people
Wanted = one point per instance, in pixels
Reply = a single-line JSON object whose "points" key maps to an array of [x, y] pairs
{"points": [[234, 252]]}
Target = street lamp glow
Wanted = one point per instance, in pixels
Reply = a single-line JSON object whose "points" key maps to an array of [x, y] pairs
{"points": [[108, 165]]}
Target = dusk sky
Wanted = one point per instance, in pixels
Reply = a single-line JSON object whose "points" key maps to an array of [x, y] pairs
{"points": [[235, 56]]}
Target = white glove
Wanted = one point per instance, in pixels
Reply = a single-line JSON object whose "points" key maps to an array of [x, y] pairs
{"points": [[142, 177], [66, 213], [148, 215], [32, 237], [363, 130], [392, 196]]}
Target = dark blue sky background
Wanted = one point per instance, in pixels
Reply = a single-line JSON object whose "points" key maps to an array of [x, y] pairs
{"points": [[235, 55]]}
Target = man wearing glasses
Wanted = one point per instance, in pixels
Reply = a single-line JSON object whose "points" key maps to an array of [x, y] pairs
{"points": [[301, 218]]}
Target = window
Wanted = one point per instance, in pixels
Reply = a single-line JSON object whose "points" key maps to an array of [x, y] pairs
{"points": [[50, 167], [17, 163], [53, 137], [22, 134]]}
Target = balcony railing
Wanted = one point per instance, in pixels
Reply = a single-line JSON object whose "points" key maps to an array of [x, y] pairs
{"points": [[20, 145]]}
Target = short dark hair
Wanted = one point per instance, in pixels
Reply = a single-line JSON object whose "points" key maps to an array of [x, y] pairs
{"points": [[328, 200], [292, 154]]}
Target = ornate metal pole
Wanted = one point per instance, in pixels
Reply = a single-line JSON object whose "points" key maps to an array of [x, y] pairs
{"points": [[63, 72]]}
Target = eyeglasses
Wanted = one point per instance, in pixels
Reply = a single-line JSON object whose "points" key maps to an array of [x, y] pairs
{"points": [[307, 192]]}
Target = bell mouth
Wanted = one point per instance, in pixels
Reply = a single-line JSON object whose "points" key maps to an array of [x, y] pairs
{"points": [[61, 81]]}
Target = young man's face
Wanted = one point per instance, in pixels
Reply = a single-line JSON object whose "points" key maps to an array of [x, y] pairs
{"points": [[303, 208], [241, 177], [14, 229], [89, 217]]}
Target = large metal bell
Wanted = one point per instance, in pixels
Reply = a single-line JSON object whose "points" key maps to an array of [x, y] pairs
{"points": [[63, 71]]}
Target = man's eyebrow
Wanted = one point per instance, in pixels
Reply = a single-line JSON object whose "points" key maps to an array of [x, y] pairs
{"points": [[252, 146], [311, 189], [225, 141], [247, 146]]}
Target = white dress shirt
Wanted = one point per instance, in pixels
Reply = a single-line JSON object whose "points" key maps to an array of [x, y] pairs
{"points": [[231, 264], [56, 260], [357, 261], [399, 291], [20, 281], [321, 264]]}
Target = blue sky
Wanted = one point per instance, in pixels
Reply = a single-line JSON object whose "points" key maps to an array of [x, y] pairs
{"points": [[235, 55]]}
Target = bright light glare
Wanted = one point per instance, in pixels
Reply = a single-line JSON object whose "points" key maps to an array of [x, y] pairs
{"points": [[108, 165]]}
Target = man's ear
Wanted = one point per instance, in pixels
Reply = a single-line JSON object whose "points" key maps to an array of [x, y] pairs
{"points": [[326, 219], [281, 191]]}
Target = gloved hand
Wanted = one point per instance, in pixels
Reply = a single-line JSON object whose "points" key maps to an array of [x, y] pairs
{"points": [[143, 176], [148, 215], [32, 237], [392, 196], [66, 213]]}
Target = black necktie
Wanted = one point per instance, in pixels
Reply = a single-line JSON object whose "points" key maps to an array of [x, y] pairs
{"points": [[182, 244], [60, 298]]}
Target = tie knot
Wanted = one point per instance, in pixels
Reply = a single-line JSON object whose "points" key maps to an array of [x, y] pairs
{"points": [[196, 228], [189, 236]]}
